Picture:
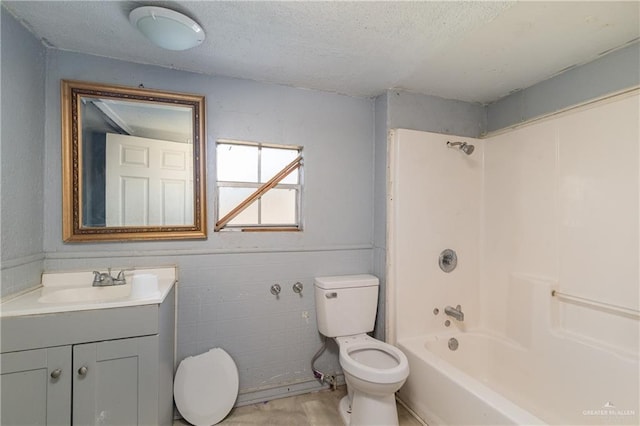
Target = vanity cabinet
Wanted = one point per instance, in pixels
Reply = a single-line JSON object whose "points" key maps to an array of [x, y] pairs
{"points": [[114, 367], [114, 382], [36, 387]]}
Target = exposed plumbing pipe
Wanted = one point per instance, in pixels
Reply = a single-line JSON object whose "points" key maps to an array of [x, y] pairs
{"points": [[329, 379]]}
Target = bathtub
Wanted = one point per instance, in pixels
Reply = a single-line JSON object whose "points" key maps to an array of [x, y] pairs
{"points": [[491, 380]]}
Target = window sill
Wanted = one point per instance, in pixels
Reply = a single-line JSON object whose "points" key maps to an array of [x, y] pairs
{"points": [[273, 229], [263, 229]]}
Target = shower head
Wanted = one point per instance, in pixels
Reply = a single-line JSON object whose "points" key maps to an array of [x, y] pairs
{"points": [[467, 149], [462, 146]]}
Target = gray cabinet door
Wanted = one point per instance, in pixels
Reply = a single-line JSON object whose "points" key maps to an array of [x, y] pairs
{"points": [[115, 382], [35, 387]]}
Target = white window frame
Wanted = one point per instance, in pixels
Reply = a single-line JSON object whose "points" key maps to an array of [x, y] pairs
{"points": [[256, 185]]}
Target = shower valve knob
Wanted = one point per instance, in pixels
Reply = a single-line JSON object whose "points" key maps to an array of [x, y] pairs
{"points": [[448, 260], [297, 287]]}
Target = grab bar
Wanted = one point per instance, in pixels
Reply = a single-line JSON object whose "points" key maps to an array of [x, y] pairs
{"points": [[583, 301]]}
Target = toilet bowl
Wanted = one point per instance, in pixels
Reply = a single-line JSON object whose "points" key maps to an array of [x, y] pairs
{"points": [[206, 387], [371, 360], [374, 371]]}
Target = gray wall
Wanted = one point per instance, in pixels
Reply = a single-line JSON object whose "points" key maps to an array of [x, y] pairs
{"points": [[614, 72], [224, 297], [335, 130], [380, 207], [22, 153], [406, 110]]}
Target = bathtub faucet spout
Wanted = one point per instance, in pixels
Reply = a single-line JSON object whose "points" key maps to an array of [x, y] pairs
{"points": [[455, 312]]}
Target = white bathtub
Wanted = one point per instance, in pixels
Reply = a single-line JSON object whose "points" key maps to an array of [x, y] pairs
{"points": [[490, 380]]}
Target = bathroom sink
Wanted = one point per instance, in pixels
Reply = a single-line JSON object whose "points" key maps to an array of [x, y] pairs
{"points": [[86, 294], [71, 291]]}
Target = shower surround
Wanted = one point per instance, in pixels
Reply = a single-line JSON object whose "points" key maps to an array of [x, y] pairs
{"points": [[553, 205]]}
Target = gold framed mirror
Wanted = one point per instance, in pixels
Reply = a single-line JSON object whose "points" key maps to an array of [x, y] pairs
{"points": [[133, 164]]}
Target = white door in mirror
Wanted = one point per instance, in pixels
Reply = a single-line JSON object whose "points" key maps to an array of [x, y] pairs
{"points": [[149, 182]]}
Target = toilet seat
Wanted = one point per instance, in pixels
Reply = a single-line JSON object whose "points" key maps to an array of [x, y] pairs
{"points": [[372, 360], [206, 387]]}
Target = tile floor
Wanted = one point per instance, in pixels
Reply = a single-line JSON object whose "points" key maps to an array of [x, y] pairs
{"points": [[313, 409]]}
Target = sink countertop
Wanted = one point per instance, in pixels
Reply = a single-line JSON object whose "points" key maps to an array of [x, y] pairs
{"points": [[28, 303]]}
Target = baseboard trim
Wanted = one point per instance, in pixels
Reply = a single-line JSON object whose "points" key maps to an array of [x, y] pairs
{"points": [[283, 391]]}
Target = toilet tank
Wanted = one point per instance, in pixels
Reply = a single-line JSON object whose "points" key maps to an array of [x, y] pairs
{"points": [[346, 304]]}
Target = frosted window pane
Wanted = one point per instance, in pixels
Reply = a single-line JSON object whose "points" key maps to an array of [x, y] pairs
{"points": [[237, 163], [229, 198], [274, 160], [279, 207]]}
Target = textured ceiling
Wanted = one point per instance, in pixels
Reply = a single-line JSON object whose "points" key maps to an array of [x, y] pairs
{"points": [[471, 51]]}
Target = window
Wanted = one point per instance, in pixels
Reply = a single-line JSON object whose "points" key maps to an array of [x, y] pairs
{"points": [[258, 186]]}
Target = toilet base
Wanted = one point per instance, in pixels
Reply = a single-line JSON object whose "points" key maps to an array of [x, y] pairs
{"points": [[344, 408], [368, 410]]}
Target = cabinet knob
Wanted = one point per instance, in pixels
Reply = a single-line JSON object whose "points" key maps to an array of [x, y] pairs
{"points": [[56, 373], [83, 371]]}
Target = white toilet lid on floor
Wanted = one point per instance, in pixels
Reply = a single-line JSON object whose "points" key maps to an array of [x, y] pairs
{"points": [[206, 387]]}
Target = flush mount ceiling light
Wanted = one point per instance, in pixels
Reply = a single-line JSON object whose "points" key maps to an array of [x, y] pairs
{"points": [[167, 28]]}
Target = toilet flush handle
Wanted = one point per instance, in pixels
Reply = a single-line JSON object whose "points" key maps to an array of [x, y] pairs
{"points": [[331, 295]]}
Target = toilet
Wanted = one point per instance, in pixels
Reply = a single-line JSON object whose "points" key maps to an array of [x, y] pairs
{"points": [[373, 370], [206, 387]]}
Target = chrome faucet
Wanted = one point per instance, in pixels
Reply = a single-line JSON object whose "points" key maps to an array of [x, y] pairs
{"points": [[105, 279], [455, 312]]}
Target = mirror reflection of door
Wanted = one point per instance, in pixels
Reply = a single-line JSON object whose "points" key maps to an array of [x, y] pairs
{"points": [[137, 164], [148, 182]]}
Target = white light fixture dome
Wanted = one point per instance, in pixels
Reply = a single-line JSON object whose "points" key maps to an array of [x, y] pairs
{"points": [[167, 28]]}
